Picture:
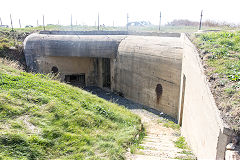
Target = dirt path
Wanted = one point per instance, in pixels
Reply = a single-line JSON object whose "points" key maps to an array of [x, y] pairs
{"points": [[158, 144]]}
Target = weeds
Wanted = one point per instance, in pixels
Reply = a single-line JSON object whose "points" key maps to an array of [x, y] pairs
{"points": [[221, 55], [169, 124], [180, 143], [135, 144]]}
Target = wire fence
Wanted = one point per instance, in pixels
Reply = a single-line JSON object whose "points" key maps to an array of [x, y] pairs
{"points": [[181, 25]]}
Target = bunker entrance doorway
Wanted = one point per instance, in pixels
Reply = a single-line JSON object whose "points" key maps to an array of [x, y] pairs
{"points": [[106, 73], [76, 80]]}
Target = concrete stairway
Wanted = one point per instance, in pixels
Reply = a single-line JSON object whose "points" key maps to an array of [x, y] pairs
{"points": [[159, 142]]}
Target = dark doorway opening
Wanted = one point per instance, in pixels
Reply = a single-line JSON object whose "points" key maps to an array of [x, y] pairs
{"points": [[106, 73], [76, 79], [54, 70]]}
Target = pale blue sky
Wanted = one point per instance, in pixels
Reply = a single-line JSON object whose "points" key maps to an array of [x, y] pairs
{"points": [[85, 11]]}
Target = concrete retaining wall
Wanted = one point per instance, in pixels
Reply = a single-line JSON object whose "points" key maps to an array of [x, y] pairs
{"points": [[201, 123]]}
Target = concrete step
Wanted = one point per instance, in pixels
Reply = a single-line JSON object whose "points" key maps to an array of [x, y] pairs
{"points": [[167, 143], [146, 157], [157, 136], [153, 153], [159, 141], [161, 148], [156, 139], [159, 153]]}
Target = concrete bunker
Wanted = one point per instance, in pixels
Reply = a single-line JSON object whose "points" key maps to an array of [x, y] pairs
{"points": [[162, 71], [132, 65]]}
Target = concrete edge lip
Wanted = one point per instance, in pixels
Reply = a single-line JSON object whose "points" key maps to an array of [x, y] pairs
{"points": [[159, 34]]}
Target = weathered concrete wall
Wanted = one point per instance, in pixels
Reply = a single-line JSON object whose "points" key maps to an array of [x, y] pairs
{"points": [[70, 66], [143, 63], [201, 123]]}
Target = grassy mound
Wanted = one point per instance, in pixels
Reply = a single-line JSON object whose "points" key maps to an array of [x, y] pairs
{"points": [[41, 118], [220, 52], [11, 46]]}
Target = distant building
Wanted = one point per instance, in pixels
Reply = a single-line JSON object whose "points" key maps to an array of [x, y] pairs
{"points": [[4, 26], [139, 23], [28, 26]]}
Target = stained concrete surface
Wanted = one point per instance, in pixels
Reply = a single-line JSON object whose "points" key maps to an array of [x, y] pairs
{"points": [[71, 66], [142, 63]]}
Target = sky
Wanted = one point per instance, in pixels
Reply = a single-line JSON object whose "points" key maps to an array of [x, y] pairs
{"points": [[84, 12]]}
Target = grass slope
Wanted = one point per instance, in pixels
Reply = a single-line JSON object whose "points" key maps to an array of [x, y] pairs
{"points": [[220, 52], [41, 118]]}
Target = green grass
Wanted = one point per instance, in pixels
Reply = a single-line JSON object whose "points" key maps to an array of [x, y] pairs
{"points": [[186, 158], [223, 49], [221, 54], [169, 124], [182, 144], [136, 143], [41, 118]]}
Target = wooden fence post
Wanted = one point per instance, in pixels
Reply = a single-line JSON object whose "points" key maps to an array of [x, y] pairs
{"points": [[200, 24], [43, 24], [160, 21], [11, 21]]}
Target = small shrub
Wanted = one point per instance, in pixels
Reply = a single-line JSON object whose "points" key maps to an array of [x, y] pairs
{"points": [[181, 143], [230, 91]]}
